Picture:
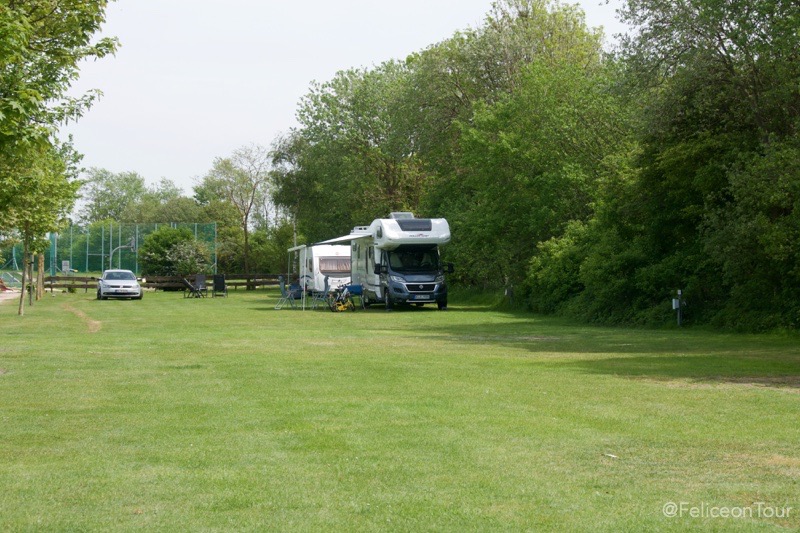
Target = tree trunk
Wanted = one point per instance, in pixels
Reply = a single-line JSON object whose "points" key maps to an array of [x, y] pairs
{"points": [[21, 310], [30, 280], [40, 277], [247, 254]]}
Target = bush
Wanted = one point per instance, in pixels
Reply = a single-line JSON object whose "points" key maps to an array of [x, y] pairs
{"points": [[172, 251]]}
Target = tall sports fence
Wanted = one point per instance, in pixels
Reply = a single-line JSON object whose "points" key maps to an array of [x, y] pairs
{"points": [[98, 247]]}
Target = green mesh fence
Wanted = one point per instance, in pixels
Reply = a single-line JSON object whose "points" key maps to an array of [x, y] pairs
{"points": [[98, 247]]}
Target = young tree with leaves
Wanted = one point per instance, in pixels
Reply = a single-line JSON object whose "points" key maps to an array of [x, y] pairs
{"points": [[41, 45], [44, 198], [243, 179]]}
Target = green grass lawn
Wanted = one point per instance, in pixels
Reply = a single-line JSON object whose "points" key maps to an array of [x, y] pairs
{"points": [[225, 414]]}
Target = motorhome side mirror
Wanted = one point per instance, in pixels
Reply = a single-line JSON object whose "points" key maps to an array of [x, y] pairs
{"points": [[380, 269], [450, 268]]}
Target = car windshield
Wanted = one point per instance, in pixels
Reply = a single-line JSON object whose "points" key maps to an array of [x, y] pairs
{"points": [[120, 276], [414, 260]]}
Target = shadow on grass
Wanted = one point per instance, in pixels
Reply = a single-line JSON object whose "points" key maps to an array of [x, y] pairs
{"points": [[376, 308], [763, 370], [697, 356]]}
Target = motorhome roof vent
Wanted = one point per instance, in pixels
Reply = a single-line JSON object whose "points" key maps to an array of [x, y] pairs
{"points": [[401, 215]]}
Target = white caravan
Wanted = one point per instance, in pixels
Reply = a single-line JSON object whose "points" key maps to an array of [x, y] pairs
{"points": [[396, 260], [321, 260]]}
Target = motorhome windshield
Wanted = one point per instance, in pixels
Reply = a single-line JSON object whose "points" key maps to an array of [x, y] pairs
{"points": [[405, 260], [334, 265]]}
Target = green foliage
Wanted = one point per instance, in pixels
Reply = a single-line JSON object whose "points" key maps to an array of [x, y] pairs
{"points": [[244, 182], [755, 236], [188, 257], [708, 201], [172, 251], [348, 163], [126, 198], [531, 164], [107, 195], [554, 275], [499, 129], [41, 44], [269, 248]]}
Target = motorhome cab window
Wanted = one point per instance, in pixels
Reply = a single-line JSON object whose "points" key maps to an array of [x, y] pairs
{"points": [[414, 260], [331, 266]]}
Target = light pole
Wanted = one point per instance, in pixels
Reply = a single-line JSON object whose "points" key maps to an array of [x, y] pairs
{"points": [[130, 246]]}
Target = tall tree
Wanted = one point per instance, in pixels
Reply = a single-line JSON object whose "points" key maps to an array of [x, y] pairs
{"points": [[244, 180], [349, 152], [722, 82], [710, 201], [531, 117], [108, 194], [41, 44]]}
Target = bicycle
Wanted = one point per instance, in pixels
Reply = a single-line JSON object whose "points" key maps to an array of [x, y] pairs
{"points": [[341, 300]]}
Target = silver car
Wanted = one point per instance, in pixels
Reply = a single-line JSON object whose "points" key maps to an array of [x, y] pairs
{"points": [[119, 284]]}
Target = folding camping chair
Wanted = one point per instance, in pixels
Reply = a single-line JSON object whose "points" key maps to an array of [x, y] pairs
{"points": [[200, 283], [287, 297], [219, 286], [194, 290], [321, 297]]}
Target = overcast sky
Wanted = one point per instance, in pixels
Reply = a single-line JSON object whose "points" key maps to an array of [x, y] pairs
{"points": [[196, 79]]}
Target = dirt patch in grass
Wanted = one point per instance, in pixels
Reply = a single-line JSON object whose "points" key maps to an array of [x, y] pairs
{"points": [[92, 325], [510, 339], [784, 383], [782, 460], [776, 464]]}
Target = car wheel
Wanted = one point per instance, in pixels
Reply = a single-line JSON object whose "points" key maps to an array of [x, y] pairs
{"points": [[98, 294], [442, 304]]}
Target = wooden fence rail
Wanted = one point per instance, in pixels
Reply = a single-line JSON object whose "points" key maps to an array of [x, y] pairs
{"points": [[233, 281]]}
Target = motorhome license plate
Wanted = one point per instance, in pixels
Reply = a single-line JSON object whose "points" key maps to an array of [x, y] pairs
{"points": [[421, 297]]}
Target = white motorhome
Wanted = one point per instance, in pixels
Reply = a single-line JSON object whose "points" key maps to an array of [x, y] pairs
{"points": [[396, 260], [328, 260]]}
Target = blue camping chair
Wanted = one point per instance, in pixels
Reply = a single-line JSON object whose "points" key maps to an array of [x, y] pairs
{"points": [[286, 296]]}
